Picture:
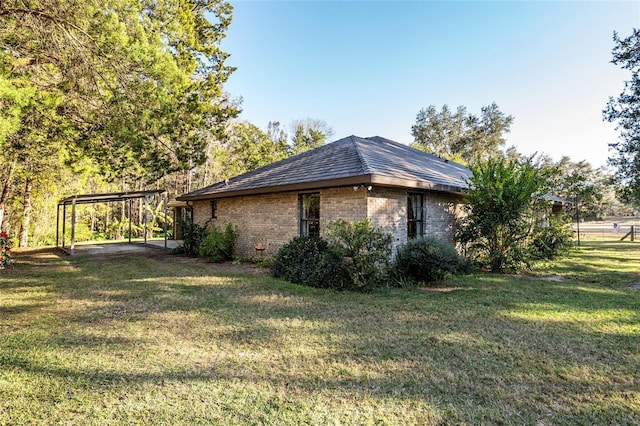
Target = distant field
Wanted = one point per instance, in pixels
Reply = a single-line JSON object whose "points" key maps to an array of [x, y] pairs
{"points": [[605, 229]]}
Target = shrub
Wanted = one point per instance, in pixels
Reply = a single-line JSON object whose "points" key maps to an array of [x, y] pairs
{"points": [[219, 244], [192, 236], [428, 259], [499, 206], [310, 261], [551, 241], [82, 232], [5, 250], [366, 249]]}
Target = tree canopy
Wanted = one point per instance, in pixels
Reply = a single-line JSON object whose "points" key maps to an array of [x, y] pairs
{"points": [[625, 111], [461, 136], [131, 83], [132, 86], [309, 134]]}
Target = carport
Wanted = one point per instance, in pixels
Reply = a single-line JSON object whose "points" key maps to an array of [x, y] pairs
{"points": [[110, 197]]}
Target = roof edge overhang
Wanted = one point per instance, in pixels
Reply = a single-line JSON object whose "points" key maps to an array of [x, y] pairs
{"points": [[377, 180]]}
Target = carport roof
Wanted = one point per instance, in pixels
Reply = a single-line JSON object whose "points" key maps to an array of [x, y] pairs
{"points": [[108, 197]]}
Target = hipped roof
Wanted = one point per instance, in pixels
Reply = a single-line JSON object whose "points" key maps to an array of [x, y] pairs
{"points": [[349, 161]]}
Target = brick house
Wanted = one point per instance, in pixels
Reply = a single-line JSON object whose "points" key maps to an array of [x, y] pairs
{"points": [[403, 191]]}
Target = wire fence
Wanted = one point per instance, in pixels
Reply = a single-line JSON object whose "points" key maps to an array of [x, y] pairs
{"points": [[627, 229]]}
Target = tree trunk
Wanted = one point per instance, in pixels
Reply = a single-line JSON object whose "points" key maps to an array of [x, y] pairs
{"points": [[6, 190], [26, 213]]}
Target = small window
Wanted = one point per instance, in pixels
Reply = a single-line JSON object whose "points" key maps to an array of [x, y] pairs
{"points": [[415, 214], [310, 214], [214, 209]]}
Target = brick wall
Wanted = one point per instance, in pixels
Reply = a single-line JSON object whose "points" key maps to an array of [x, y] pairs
{"points": [[268, 219], [441, 212], [342, 203], [273, 219], [387, 209]]}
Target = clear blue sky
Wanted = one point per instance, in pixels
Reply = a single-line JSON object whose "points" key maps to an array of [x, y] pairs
{"points": [[367, 68]]}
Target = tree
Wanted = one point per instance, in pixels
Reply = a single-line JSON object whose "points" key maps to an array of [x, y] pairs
{"points": [[498, 206], [309, 134], [461, 136], [134, 84], [247, 148], [276, 133], [625, 110], [577, 180], [439, 132]]}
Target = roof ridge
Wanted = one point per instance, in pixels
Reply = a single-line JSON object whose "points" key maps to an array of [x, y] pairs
{"points": [[366, 168]]}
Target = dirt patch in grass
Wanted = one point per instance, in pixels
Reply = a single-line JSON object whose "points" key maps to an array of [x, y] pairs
{"points": [[552, 278]]}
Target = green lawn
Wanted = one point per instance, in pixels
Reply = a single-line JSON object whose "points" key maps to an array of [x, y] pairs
{"points": [[132, 339]]}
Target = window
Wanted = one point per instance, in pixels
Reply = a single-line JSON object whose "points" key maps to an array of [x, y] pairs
{"points": [[310, 214], [415, 214], [214, 209]]}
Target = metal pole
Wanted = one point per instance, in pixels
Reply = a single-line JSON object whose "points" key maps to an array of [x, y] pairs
{"points": [[130, 200], [73, 225], [57, 226], [164, 199], [144, 220], [64, 223]]}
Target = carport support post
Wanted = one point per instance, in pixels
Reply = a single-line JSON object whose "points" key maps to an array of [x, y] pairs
{"points": [[73, 225], [164, 200], [64, 222], [58, 225], [130, 220], [144, 219]]}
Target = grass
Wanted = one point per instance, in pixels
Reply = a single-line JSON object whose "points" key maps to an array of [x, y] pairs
{"points": [[165, 340]]}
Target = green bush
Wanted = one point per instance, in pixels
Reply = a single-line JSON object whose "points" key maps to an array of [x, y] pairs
{"points": [[498, 208], [310, 261], [219, 244], [552, 240], [367, 251], [428, 259], [192, 236], [82, 232]]}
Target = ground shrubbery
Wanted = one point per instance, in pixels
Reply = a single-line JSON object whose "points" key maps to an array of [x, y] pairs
{"points": [[219, 244], [356, 256], [552, 240], [212, 242], [428, 259], [366, 250], [312, 262]]}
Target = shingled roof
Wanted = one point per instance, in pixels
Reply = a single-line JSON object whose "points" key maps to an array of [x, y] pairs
{"points": [[349, 161]]}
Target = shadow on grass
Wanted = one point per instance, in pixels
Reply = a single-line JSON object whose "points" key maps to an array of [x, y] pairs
{"points": [[498, 346]]}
